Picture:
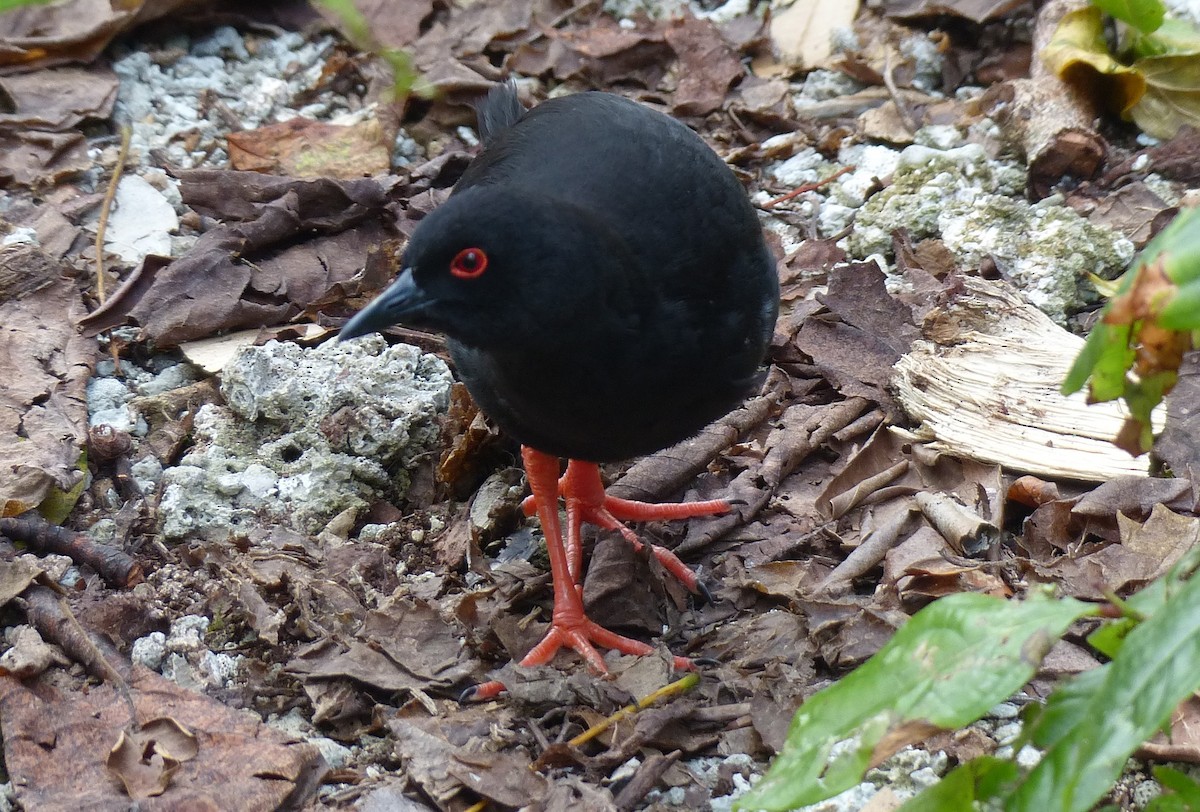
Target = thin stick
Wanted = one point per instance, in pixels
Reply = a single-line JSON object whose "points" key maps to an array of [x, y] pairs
{"points": [[808, 187], [677, 687], [889, 81], [109, 196]]}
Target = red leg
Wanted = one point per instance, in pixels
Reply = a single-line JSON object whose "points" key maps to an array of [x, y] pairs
{"points": [[569, 625], [586, 501]]}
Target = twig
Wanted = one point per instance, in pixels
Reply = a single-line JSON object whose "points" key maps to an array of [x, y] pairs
{"points": [[677, 687], [808, 187], [847, 500], [861, 426], [647, 776], [671, 469], [747, 136], [109, 196], [757, 485], [50, 615], [869, 553], [889, 81], [115, 566]]}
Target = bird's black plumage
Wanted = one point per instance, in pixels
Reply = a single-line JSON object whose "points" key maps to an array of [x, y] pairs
{"points": [[627, 297]]}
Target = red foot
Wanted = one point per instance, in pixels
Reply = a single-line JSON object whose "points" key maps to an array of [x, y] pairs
{"points": [[583, 492], [569, 625], [580, 638]]}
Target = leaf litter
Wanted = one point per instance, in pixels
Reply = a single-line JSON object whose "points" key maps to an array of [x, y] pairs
{"points": [[356, 635]]}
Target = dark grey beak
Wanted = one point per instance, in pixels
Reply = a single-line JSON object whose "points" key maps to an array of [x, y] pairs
{"points": [[403, 301]]}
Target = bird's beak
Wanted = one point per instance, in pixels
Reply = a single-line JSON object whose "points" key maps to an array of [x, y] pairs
{"points": [[403, 301]]}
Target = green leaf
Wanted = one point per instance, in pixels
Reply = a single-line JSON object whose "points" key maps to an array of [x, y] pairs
{"points": [[1049, 724], [1109, 638], [977, 780], [1172, 94], [1183, 794], [1145, 15], [1105, 358], [1156, 309], [1116, 357], [356, 28], [1182, 311], [58, 504], [1092, 725], [1175, 36], [946, 667], [1169, 803], [9, 5]]}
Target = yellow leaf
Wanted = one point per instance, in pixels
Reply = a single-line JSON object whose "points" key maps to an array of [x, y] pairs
{"points": [[1078, 54]]}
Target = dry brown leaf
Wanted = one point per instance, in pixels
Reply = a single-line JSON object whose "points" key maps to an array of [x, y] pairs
{"points": [[54, 740], [848, 631], [57, 100], [629, 590], [35, 158], [392, 24], [1132, 496], [443, 771], [38, 36], [145, 759], [707, 66], [977, 11], [43, 413], [754, 642], [16, 576], [1178, 447], [1132, 210], [787, 580], [1112, 568], [400, 646], [290, 244], [603, 53], [1164, 537], [303, 148]]}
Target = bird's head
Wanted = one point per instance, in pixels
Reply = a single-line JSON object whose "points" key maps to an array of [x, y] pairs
{"points": [[489, 266]]}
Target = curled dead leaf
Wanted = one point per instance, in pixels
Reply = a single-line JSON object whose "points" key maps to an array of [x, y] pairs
{"points": [[145, 760], [1078, 54]]}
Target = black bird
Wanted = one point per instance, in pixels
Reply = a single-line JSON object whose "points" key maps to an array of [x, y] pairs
{"points": [[606, 292]]}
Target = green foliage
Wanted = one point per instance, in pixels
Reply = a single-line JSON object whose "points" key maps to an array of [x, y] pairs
{"points": [[960, 656], [1145, 15], [9, 5], [1147, 326], [1152, 75], [951, 663], [977, 780], [1180, 793], [1093, 723], [355, 28]]}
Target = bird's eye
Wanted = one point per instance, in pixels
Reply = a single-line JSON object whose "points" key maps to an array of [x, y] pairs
{"points": [[469, 263]]}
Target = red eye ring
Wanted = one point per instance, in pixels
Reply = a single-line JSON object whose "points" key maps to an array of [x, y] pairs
{"points": [[469, 263]]}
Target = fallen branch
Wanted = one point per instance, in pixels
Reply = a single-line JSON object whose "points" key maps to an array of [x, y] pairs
{"points": [[115, 566]]}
